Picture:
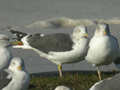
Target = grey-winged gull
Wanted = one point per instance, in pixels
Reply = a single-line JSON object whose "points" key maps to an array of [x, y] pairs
{"points": [[4, 52], [18, 75], [59, 48], [112, 83], [103, 47]]}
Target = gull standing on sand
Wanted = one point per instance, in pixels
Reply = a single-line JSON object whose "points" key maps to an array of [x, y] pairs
{"points": [[112, 83], [59, 48], [17, 73], [103, 47]]}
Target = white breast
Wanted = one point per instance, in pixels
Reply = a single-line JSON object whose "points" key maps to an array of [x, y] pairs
{"points": [[5, 57], [102, 50]]}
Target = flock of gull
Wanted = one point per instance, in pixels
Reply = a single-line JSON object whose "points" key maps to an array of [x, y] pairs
{"points": [[60, 48]]}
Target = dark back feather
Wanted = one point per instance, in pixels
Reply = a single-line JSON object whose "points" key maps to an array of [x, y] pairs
{"points": [[53, 42]]}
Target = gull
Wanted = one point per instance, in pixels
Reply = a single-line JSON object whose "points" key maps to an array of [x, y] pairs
{"points": [[19, 76], [59, 48], [62, 88], [103, 47], [5, 52], [108, 84]]}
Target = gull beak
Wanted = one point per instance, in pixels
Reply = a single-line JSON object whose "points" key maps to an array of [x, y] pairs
{"points": [[16, 43], [105, 33], [85, 35], [19, 68]]}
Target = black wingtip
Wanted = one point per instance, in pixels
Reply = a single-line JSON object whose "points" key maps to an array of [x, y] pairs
{"points": [[19, 35]]}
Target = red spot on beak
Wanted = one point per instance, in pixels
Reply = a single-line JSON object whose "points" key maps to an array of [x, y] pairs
{"points": [[20, 43]]}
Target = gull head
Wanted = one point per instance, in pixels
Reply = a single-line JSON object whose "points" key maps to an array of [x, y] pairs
{"points": [[80, 32], [17, 64], [102, 29], [18, 34], [21, 42]]}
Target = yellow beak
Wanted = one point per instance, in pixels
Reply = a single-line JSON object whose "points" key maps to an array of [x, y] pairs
{"points": [[105, 33], [19, 68], [85, 35], [16, 43]]}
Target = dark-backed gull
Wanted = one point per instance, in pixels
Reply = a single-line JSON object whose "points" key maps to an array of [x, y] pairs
{"points": [[18, 78], [103, 47], [59, 48]]}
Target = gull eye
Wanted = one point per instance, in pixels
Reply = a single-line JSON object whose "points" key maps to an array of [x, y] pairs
{"points": [[13, 63]]}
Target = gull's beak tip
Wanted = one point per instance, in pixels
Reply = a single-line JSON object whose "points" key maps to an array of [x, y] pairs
{"points": [[19, 68]]}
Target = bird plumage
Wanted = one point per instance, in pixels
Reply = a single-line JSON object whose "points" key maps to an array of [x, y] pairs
{"points": [[103, 49], [18, 74], [59, 48]]}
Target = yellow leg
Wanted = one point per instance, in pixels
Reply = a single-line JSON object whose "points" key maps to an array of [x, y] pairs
{"points": [[99, 74], [60, 70]]}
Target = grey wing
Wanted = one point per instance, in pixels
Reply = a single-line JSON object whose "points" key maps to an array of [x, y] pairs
{"points": [[116, 40], [87, 47], [53, 42], [117, 61], [3, 80]]}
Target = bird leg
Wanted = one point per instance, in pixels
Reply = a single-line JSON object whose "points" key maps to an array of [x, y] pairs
{"points": [[99, 74], [60, 70]]}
